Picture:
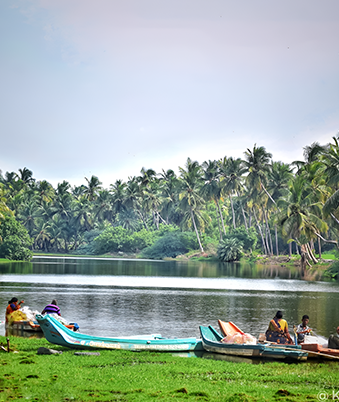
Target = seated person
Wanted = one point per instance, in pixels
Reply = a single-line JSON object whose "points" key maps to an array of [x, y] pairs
{"points": [[13, 305], [303, 329], [333, 340], [278, 330], [51, 308]]}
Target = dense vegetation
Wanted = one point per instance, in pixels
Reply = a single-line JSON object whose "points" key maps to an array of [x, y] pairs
{"points": [[145, 376], [273, 204]]}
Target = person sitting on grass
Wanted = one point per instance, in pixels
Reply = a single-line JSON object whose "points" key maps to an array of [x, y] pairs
{"points": [[333, 340], [51, 308], [278, 330], [13, 305], [303, 329]]}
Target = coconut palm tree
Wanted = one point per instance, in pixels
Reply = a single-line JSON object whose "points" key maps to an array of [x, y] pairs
{"points": [[26, 175], [211, 189], [190, 199], [169, 186], [92, 188], [300, 216], [279, 176], [232, 171]]}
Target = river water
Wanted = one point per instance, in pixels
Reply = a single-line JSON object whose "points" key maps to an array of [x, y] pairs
{"points": [[110, 297]]}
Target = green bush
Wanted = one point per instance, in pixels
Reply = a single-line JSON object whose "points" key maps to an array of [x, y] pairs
{"points": [[333, 270], [14, 240], [171, 245], [248, 238], [230, 250], [113, 239], [142, 239]]}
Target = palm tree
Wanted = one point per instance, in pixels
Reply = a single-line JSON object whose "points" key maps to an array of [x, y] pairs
{"points": [[331, 172], [118, 190], [190, 199], [92, 188], [4, 209], [133, 199], [211, 189], [257, 164], [300, 217], [26, 175], [103, 209], [279, 176], [233, 170], [169, 185]]}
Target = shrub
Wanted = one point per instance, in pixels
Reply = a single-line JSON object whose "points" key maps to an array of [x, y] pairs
{"points": [[112, 239], [14, 240], [333, 270], [247, 238], [171, 245], [230, 250]]}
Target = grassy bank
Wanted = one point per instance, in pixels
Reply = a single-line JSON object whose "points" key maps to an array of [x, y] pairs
{"points": [[145, 376]]}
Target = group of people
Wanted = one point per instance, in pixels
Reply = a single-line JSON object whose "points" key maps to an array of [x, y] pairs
{"points": [[278, 331], [14, 305]]}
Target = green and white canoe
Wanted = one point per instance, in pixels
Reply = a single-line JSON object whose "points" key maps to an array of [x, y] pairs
{"points": [[58, 334]]}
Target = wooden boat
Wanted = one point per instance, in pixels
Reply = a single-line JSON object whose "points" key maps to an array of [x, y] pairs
{"points": [[58, 334], [317, 348], [211, 341]]}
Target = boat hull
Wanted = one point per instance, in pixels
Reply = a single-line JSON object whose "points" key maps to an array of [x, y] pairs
{"points": [[317, 351], [211, 341], [57, 334]]}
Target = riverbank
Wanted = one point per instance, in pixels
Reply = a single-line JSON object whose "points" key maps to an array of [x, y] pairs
{"points": [[144, 376]]}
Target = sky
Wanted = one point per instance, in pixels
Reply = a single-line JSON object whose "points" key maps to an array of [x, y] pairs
{"points": [[107, 87]]}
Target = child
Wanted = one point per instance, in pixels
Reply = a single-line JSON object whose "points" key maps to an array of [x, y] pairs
{"points": [[303, 329]]}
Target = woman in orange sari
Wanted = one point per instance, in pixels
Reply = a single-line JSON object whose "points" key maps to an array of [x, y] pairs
{"points": [[278, 330]]}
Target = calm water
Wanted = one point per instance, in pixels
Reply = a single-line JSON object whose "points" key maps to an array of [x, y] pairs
{"points": [[124, 297]]}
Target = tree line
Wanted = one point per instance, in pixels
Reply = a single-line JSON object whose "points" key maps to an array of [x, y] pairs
{"points": [[283, 204]]}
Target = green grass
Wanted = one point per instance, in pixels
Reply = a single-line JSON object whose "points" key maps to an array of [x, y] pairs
{"points": [[146, 376], [328, 256]]}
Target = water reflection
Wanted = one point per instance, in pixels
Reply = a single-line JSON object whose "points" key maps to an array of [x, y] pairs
{"points": [[114, 297], [110, 266]]}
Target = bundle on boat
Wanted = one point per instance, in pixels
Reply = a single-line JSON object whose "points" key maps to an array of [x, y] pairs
{"points": [[25, 320]]}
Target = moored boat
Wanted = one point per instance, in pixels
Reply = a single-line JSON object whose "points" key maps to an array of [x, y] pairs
{"points": [[316, 346], [58, 334], [211, 341]]}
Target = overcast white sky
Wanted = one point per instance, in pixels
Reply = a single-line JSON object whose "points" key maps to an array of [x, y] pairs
{"points": [[106, 87]]}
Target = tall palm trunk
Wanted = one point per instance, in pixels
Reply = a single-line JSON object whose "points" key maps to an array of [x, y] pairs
{"points": [[319, 247], [243, 214], [233, 214], [268, 231], [196, 230], [221, 217], [260, 231], [218, 218], [276, 240], [266, 235]]}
